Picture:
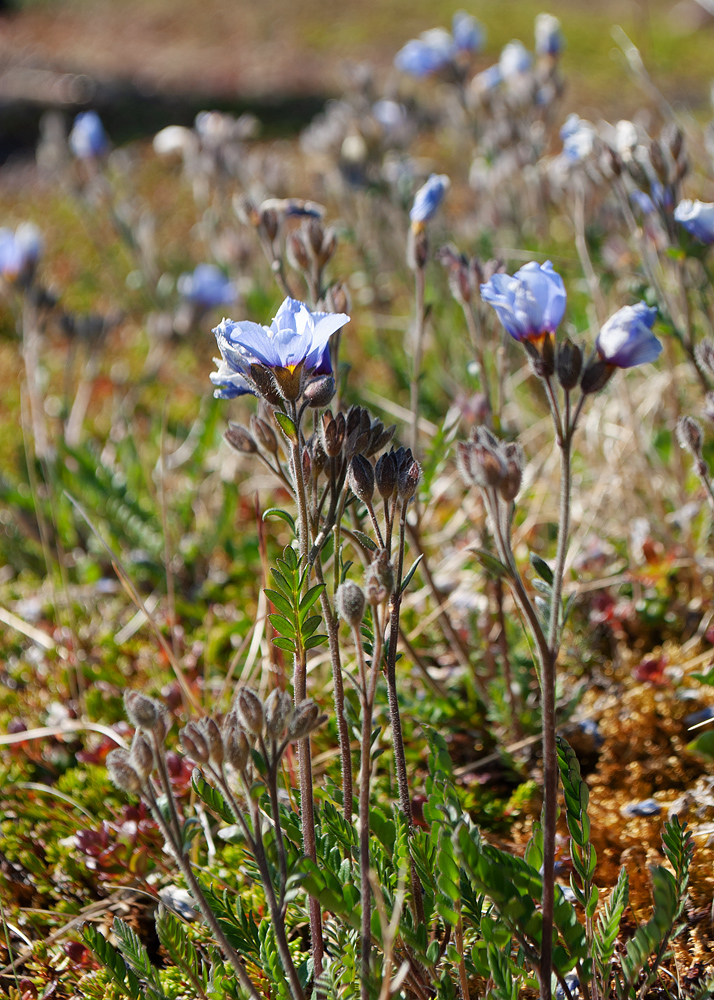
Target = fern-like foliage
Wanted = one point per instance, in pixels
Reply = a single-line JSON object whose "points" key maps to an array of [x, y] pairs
{"points": [[297, 628]]}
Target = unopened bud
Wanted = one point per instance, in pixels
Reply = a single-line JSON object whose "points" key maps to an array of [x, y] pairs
{"points": [[659, 164], [408, 482], [278, 709], [306, 718], [266, 384], [194, 743], [338, 298], [142, 756], [142, 712], [379, 579], [297, 254], [239, 438], [269, 222], [237, 748], [333, 433], [569, 364], [320, 391], [689, 434], [361, 478], [385, 474], [705, 354], [511, 483], [212, 735], [264, 435], [350, 603], [250, 710], [121, 772]]}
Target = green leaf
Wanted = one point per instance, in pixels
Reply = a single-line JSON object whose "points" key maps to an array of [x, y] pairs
{"points": [[489, 562], [137, 956], [410, 574], [281, 602], [286, 425], [707, 678], [542, 569], [364, 540], [211, 797], [112, 961], [703, 745], [310, 625], [282, 642], [311, 596], [179, 947], [314, 640], [283, 515], [282, 625]]}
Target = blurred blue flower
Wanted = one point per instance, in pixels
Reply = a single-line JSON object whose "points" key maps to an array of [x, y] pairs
{"points": [[428, 198], [19, 251], [643, 202], [515, 60], [468, 33], [88, 138], [578, 137], [391, 115], [627, 340], [296, 342], [548, 36], [697, 217], [647, 807], [207, 287], [431, 52], [530, 303], [487, 79]]}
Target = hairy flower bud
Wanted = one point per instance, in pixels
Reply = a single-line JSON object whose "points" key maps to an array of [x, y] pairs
{"points": [[689, 434], [361, 478], [266, 384], [350, 603], [338, 298], [333, 433], [239, 438], [705, 354], [515, 460], [417, 249], [408, 482], [385, 474], [568, 364], [296, 251], [237, 747], [264, 435], [212, 735], [379, 579], [142, 756], [269, 222], [121, 773], [195, 743], [319, 392], [278, 709], [306, 718], [250, 710], [142, 712]]}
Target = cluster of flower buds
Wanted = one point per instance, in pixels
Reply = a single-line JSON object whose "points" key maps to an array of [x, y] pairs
{"points": [[311, 247], [691, 438], [490, 464], [268, 217], [130, 769], [341, 438]]}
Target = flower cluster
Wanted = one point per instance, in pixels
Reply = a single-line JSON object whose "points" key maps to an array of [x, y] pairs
{"points": [[438, 48]]}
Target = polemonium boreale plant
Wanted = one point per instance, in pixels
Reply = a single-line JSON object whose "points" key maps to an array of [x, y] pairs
{"points": [[697, 217], [88, 140], [531, 304], [548, 35]]}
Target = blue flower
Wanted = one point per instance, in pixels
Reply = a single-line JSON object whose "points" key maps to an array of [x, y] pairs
{"points": [[515, 60], [19, 251], [487, 79], [88, 138], [468, 33], [627, 340], [697, 217], [531, 303], [207, 287], [643, 202], [548, 36], [296, 344], [578, 137], [428, 198], [428, 54]]}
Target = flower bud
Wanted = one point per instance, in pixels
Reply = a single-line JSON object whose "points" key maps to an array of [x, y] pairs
{"points": [[142, 712], [511, 483], [708, 409], [379, 579], [237, 748], [361, 478], [569, 364], [338, 298], [278, 709], [250, 710], [408, 481], [121, 772], [264, 435], [320, 391], [333, 433], [239, 438], [269, 222], [306, 718], [350, 603], [596, 376], [659, 164], [194, 743], [297, 254], [705, 354], [266, 384], [142, 756], [417, 249], [689, 434], [385, 474], [212, 735]]}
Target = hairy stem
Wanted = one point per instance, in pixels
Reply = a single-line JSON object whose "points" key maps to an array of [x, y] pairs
{"points": [[418, 349]]}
